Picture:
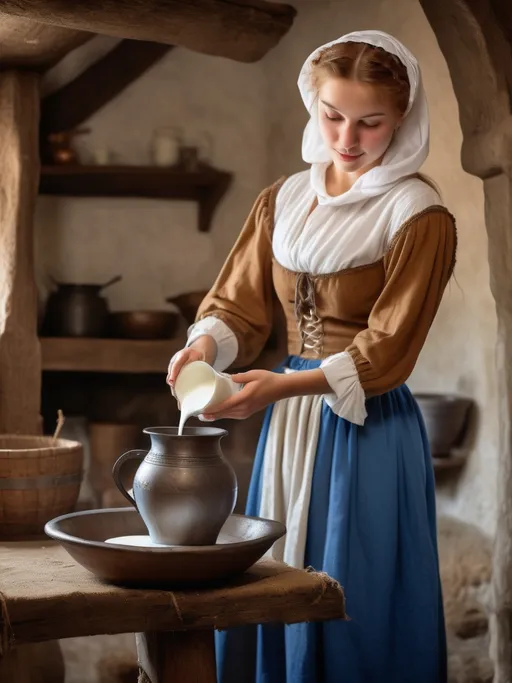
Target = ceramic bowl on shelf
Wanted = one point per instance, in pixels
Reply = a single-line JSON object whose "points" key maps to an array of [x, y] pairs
{"points": [[188, 303], [446, 419], [144, 324]]}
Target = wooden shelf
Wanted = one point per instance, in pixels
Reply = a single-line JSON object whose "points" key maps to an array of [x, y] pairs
{"points": [[454, 461], [206, 186], [108, 355]]}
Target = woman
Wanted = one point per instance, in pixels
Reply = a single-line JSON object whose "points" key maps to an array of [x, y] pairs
{"points": [[358, 250]]}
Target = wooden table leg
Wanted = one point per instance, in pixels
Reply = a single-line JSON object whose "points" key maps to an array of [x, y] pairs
{"points": [[172, 656], [41, 662]]}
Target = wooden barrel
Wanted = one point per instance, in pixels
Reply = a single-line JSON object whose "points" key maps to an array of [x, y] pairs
{"points": [[107, 441], [39, 479]]}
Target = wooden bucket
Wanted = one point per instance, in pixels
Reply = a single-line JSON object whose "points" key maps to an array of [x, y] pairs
{"points": [[39, 479], [107, 441]]}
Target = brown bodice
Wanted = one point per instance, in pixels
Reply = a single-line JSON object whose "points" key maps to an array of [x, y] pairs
{"points": [[325, 312]]}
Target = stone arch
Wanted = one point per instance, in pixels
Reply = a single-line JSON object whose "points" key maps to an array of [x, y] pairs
{"points": [[475, 37]]}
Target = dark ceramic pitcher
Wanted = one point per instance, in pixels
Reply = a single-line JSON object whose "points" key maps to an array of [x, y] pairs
{"points": [[184, 489]]}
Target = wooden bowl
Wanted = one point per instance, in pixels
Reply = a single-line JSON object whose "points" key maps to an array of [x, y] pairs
{"points": [[144, 324], [188, 303], [242, 542]]}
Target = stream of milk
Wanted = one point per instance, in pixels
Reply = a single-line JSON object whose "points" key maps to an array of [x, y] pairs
{"points": [[195, 401]]}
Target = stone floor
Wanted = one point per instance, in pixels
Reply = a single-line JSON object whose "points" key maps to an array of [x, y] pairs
{"points": [[465, 565]]}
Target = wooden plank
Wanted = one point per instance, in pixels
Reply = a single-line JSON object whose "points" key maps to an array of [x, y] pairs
{"points": [[127, 181], [244, 30], [75, 102], [108, 355], [74, 603], [20, 363], [29, 44], [454, 461], [206, 186]]}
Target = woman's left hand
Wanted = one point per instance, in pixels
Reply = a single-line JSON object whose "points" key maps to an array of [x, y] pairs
{"points": [[261, 388]]}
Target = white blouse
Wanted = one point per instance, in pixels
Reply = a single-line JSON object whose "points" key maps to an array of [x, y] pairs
{"points": [[328, 240]]}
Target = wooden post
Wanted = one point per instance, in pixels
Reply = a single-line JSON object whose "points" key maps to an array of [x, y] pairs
{"points": [[498, 202], [20, 363], [33, 663], [472, 35], [177, 656]]}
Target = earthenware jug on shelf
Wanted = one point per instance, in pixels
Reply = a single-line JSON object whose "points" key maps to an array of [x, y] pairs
{"points": [[184, 489]]}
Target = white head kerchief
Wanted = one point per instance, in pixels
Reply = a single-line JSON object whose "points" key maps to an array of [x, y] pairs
{"points": [[410, 145]]}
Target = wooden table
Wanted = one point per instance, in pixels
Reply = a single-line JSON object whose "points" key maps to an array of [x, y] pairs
{"points": [[46, 596]]}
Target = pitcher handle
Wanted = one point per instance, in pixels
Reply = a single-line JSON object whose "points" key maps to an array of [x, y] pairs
{"points": [[116, 472]]}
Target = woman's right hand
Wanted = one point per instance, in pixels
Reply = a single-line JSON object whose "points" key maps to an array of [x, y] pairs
{"points": [[203, 348]]}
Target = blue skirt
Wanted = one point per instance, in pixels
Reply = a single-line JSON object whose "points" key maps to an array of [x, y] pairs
{"points": [[371, 526]]}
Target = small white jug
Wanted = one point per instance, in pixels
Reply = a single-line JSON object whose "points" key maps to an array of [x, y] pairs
{"points": [[199, 387]]}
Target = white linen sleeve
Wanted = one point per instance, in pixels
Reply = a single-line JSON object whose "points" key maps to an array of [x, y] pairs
{"points": [[348, 397], [227, 344]]}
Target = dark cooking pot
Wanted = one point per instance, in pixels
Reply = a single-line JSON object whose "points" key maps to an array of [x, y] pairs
{"points": [[77, 310]]}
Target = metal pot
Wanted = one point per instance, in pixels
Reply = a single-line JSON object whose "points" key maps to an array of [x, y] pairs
{"points": [[77, 310], [185, 489]]}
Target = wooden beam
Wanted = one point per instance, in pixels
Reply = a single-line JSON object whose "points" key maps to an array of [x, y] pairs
{"points": [[244, 30], [503, 13], [472, 42], [102, 81], [29, 44], [20, 363]]}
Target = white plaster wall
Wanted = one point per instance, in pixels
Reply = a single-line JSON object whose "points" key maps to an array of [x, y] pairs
{"points": [[155, 244], [459, 354], [257, 118]]}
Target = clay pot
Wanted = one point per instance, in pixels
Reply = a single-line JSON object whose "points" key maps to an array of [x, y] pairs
{"points": [[188, 303], [446, 420], [144, 324], [61, 146]]}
